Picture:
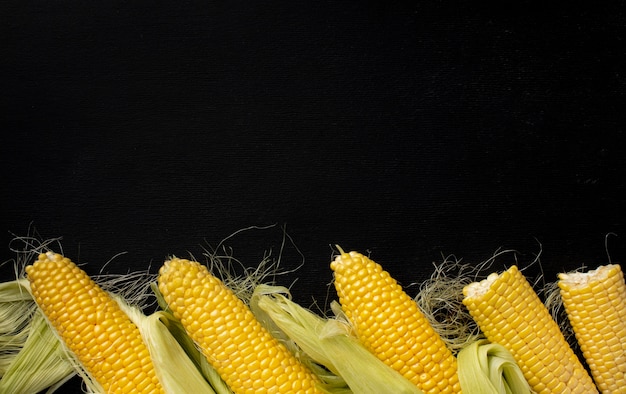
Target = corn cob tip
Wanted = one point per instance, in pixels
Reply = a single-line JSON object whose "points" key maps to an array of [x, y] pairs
{"points": [[171, 264], [165, 267], [166, 264], [50, 258], [345, 260]]}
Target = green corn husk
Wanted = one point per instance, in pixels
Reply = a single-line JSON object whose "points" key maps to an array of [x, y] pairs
{"points": [[180, 365], [328, 342], [488, 368], [31, 357], [16, 310], [176, 370], [332, 383], [172, 353], [41, 364]]}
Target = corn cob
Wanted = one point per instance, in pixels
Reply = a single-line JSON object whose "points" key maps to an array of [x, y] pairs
{"points": [[595, 303], [93, 326], [509, 312], [246, 355], [390, 324]]}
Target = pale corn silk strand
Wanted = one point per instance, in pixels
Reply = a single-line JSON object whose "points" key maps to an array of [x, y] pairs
{"points": [[246, 355], [440, 298], [93, 326], [510, 313], [390, 324], [595, 302]]}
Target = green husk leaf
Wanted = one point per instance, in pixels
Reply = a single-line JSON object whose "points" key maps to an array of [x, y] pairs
{"points": [[176, 371], [32, 356], [41, 364], [488, 368], [171, 346], [15, 290], [329, 343], [16, 310], [332, 382]]}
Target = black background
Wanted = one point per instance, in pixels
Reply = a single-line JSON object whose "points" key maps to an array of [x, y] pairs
{"points": [[409, 130]]}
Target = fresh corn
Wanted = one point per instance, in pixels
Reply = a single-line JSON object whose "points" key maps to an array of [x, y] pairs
{"points": [[390, 324], [93, 326], [246, 355], [510, 313], [595, 303], [328, 342]]}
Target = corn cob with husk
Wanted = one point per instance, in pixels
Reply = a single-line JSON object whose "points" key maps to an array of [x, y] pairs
{"points": [[390, 324], [93, 326], [595, 303], [32, 358], [245, 354], [112, 345], [329, 342]]}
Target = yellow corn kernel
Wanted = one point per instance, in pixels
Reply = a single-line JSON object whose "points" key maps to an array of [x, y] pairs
{"points": [[509, 312], [390, 324], [92, 325], [246, 355], [595, 303]]}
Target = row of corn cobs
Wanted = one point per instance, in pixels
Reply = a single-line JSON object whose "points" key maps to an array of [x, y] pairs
{"points": [[385, 320]]}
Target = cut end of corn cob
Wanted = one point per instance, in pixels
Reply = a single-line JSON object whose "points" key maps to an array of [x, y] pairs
{"points": [[509, 313], [390, 324], [246, 355], [477, 289], [92, 325], [580, 280], [595, 303]]}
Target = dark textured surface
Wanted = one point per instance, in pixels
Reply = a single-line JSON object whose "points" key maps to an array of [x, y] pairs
{"points": [[410, 131]]}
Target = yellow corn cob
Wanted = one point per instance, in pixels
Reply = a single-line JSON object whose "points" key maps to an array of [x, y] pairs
{"points": [[390, 324], [509, 312], [246, 355], [595, 303], [93, 326]]}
